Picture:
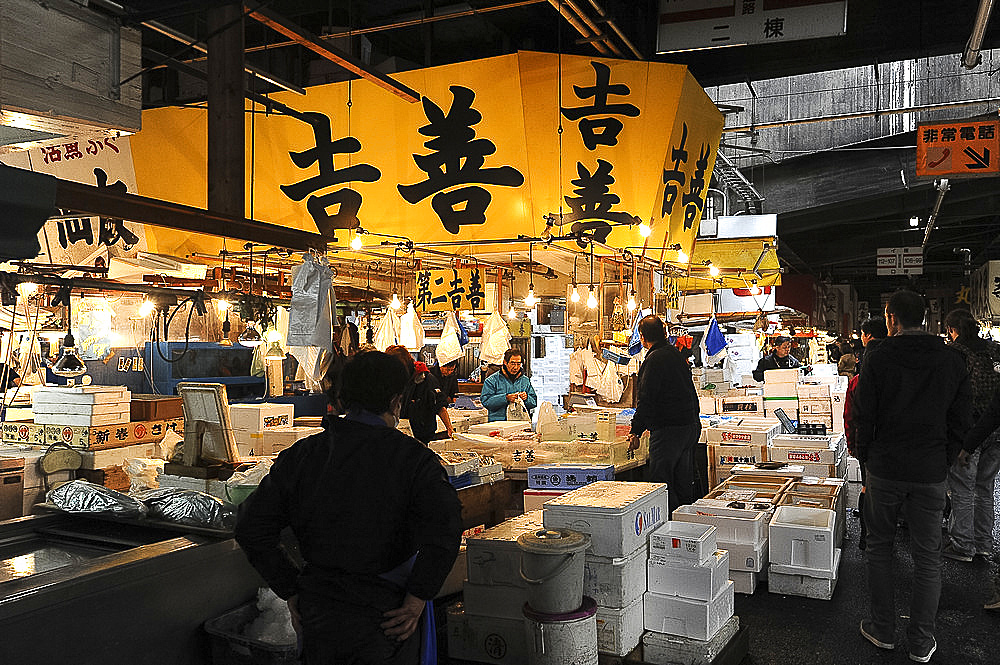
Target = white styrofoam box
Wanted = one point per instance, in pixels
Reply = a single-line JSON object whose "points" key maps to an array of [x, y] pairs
{"points": [[685, 540], [619, 629], [707, 405], [273, 441], [744, 581], [493, 556], [102, 459], [255, 418], [781, 376], [721, 454], [802, 537], [83, 420], [837, 398], [55, 408], [853, 470], [490, 469], [615, 582], [780, 390], [823, 573], [618, 515], [739, 432], [740, 405], [714, 375], [834, 441], [534, 499], [80, 395], [803, 455], [741, 339], [751, 557], [732, 524], [697, 619], [458, 462], [494, 600], [819, 391], [789, 404], [669, 649], [815, 407], [486, 639], [501, 426], [824, 369], [808, 586], [749, 353], [690, 579]]}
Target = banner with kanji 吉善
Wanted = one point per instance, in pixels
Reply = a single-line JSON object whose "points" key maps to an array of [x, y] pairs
{"points": [[479, 157], [79, 241], [450, 289]]}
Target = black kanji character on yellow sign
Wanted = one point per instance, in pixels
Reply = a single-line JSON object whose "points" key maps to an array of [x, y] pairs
{"points": [[610, 127], [457, 158], [347, 200], [592, 204]]}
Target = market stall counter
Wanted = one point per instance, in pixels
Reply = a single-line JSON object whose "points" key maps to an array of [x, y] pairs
{"points": [[111, 593]]}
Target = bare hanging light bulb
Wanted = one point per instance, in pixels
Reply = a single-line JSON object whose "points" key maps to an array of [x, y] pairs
{"points": [[222, 304], [591, 299], [713, 271], [146, 308], [356, 242], [530, 300], [511, 313], [644, 230], [575, 296], [396, 303], [631, 302], [682, 256]]}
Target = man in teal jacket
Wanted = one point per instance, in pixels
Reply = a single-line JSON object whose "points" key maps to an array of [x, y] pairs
{"points": [[501, 388]]}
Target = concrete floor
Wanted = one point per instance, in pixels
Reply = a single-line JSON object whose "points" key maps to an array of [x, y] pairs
{"points": [[785, 629]]}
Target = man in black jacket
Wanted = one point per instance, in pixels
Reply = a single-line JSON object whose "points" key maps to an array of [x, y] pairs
{"points": [[912, 409], [778, 358], [377, 521], [667, 406]]}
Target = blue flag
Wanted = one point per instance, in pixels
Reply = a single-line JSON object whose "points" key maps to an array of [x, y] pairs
{"points": [[714, 342]]}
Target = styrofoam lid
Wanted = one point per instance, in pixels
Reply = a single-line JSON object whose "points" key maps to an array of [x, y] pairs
{"points": [[509, 530], [607, 494]]}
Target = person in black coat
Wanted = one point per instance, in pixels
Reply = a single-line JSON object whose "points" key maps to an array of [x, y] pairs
{"points": [[667, 406], [377, 522], [778, 358]]}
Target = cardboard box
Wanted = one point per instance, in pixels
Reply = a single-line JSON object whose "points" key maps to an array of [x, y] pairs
{"points": [[618, 516], [803, 455], [683, 540], [568, 476], [619, 629], [566, 427], [752, 404], [815, 407], [733, 434], [615, 582], [691, 579], [156, 407], [256, 418], [697, 619]]}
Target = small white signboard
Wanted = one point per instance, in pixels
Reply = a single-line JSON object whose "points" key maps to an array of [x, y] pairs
{"points": [[899, 261]]}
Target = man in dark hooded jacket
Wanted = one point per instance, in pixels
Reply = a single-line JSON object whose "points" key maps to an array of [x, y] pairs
{"points": [[912, 410]]}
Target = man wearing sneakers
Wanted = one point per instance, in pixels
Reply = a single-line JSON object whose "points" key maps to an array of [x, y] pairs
{"points": [[912, 409]]}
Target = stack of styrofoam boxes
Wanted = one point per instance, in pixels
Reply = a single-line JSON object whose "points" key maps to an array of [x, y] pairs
{"points": [[821, 455], [689, 593], [738, 441], [740, 405], [547, 481], [742, 355], [249, 422], [780, 391], [815, 406], [804, 558], [741, 532], [826, 493], [488, 626], [276, 439], [619, 517], [716, 378], [81, 406]]}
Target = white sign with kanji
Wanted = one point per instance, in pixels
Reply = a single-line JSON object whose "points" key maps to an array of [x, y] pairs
{"points": [[697, 24], [899, 261]]}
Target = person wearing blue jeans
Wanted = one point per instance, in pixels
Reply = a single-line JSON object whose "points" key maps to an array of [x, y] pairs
{"points": [[912, 410]]}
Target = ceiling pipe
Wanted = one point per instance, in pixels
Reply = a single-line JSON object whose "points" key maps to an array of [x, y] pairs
{"points": [[971, 57], [603, 17], [942, 187], [599, 35], [560, 6]]}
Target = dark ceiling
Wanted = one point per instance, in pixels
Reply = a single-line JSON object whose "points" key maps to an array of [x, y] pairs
{"points": [[835, 238]]}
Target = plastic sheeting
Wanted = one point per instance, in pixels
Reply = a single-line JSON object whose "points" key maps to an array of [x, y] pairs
{"points": [[450, 346], [310, 321], [387, 333], [80, 496], [190, 507], [411, 331], [495, 340]]}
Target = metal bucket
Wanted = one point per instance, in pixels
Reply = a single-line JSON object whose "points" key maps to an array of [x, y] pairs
{"points": [[561, 639], [552, 563]]}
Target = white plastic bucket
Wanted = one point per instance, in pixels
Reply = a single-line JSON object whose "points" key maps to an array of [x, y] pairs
{"points": [[561, 639], [552, 562]]}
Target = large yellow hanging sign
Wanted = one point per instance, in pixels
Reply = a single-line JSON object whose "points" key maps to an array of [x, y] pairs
{"points": [[450, 289], [457, 166]]}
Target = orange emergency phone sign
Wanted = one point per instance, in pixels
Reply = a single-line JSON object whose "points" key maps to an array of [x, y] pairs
{"points": [[958, 148]]}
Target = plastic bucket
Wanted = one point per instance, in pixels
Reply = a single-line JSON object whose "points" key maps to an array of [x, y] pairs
{"points": [[558, 639], [552, 562]]}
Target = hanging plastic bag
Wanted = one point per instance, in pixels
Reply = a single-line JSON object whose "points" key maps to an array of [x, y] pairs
{"points": [[463, 334], [517, 411], [310, 316], [388, 331], [449, 348], [576, 369], [635, 342], [546, 414], [495, 340], [411, 331], [594, 369], [610, 386]]}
